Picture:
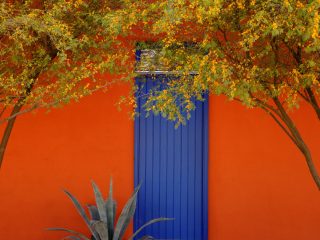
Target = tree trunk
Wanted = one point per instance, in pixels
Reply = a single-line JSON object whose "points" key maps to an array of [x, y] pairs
{"points": [[298, 140], [314, 102], [7, 131], [53, 52], [312, 169]]}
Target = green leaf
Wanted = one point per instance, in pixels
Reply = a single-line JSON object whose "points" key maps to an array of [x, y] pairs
{"points": [[149, 223], [100, 203], [72, 238], [146, 238], [111, 211], [81, 212], [101, 229], [126, 215], [80, 235], [94, 214]]}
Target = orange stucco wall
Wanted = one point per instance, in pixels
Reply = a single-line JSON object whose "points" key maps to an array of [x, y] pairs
{"points": [[259, 186], [64, 149]]}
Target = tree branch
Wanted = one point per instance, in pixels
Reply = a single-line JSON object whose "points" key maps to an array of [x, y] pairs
{"points": [[313, 101], [37, 105], [7, 132], [280, 124], [309, 95], [18, 106], [300, 142], [2, 111]]}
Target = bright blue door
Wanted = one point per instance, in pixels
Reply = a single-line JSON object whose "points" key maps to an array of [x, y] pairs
{"points": [[172, 164]]}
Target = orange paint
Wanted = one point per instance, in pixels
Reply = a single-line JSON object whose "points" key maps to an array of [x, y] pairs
{"points": [[259, 184], [64, 149]]}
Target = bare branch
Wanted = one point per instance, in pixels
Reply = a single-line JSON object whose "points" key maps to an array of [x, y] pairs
{"points": [[38, 105], [3, 110], [313, 101], [280, 124]]}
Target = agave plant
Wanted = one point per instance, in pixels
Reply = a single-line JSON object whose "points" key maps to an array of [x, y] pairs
{"points": [[101, 222]]}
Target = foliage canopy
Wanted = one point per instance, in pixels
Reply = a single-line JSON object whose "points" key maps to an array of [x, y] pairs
{"points": [[252, 51], [263, 53], [54, 51]]}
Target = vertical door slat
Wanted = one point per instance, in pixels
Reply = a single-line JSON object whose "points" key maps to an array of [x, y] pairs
{"points": [[172, 164]]}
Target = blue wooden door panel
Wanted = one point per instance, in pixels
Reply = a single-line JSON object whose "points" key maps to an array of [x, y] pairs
{"points": [[172, 165]]}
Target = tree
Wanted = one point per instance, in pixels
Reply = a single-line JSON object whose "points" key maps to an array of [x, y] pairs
{"points": [[52, 52], [264, 54]]}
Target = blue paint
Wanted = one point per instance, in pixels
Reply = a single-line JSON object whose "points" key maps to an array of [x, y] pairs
{"points": [[172, 165]]}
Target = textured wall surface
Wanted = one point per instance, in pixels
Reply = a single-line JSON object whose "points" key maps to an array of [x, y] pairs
{"points": [[259, 185], [64, 149]]}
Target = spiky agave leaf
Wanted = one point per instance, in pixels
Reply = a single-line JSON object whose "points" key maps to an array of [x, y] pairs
{"points": [[100, 203], [79, 235], [94, 214], [71, 237], [126, 215], [82, 213], [101, 229], [147, 224], [146, 238], [111, 211]]}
